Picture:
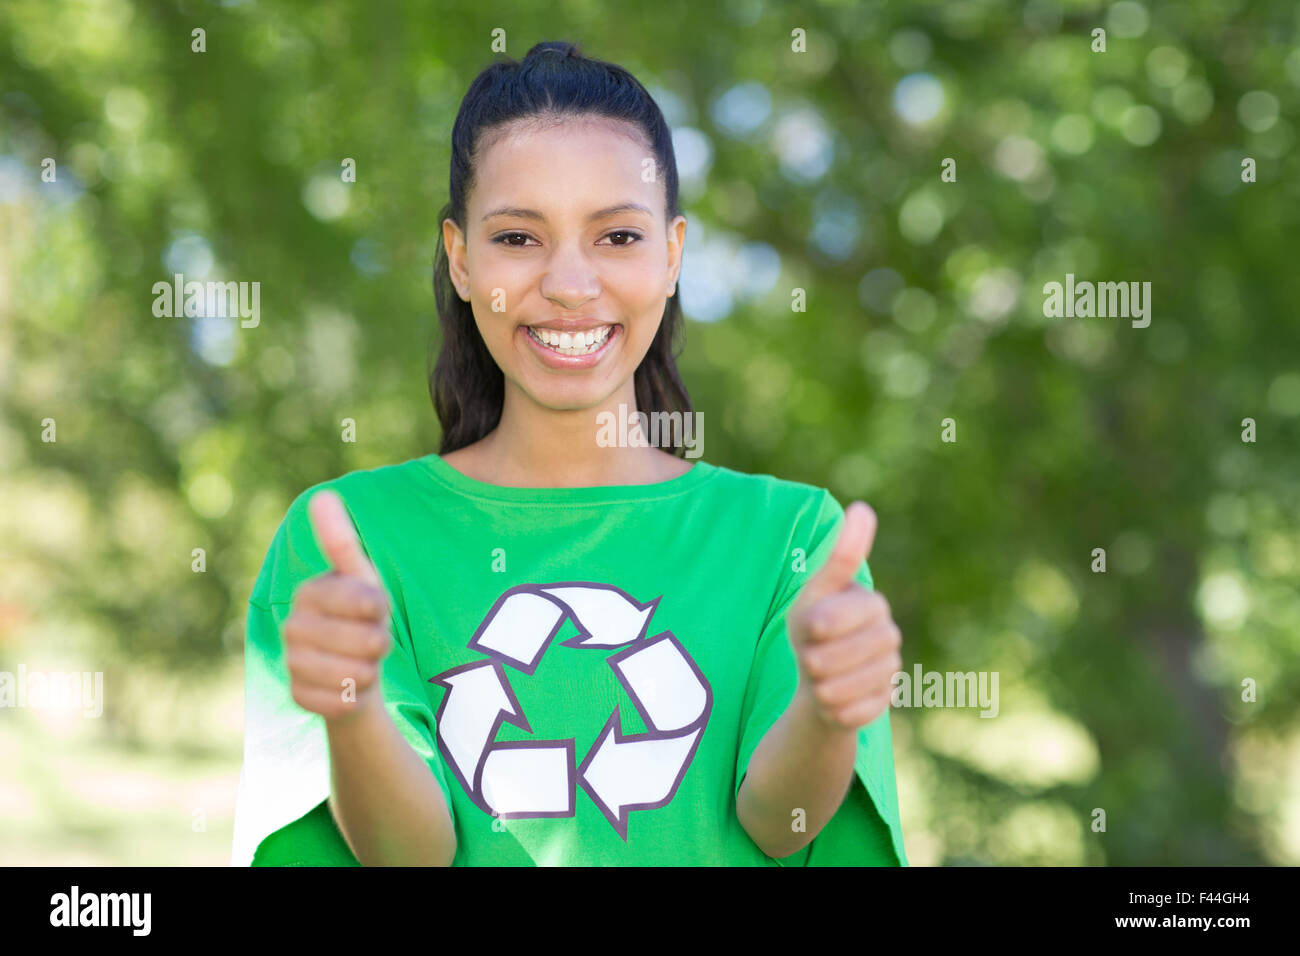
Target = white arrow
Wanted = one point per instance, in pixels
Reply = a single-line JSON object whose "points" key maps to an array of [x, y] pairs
{"points": [[662, 681], [519, 627], [468, 718], [635, 773], [606, 614], [529, 779]]}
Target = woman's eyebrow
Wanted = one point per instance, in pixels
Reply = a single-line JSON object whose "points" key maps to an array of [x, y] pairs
{"points": [[598, 214]]}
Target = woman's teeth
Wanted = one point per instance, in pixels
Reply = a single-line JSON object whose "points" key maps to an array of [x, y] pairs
{"points": [[571, 343]]}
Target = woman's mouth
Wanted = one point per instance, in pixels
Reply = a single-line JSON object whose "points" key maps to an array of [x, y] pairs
{"points": [[571, 343], [572, 351]]}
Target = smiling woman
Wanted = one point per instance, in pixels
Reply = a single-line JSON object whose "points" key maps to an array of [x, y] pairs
{"points": [[562, 221], [719, 695]]}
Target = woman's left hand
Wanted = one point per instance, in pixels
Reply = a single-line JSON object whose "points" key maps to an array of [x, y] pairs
{"points": [[843, 635]]}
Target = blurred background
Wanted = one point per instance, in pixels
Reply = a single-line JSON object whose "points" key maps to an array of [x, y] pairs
{"points": [[147, 460]]}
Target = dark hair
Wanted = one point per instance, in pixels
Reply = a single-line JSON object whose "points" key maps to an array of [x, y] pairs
{"points": [[554, 80]]}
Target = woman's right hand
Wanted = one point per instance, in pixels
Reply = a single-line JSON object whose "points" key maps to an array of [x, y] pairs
{"points": [[337, 632]]}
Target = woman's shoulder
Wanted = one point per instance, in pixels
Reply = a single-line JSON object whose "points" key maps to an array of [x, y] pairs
{"points": [[365, 488], [375, 499], [773, 490], [800, 514]]}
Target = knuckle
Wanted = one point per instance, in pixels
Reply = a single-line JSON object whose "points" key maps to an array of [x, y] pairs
{"points": [[302, 626], [370, 601], [813, 662], [362, 672], [357, 596], [824, 694], [335, 586], [310, 591], [801, 620], [301, 661]]}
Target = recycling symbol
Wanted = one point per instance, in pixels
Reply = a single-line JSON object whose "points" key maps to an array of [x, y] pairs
{"points": [[539, 778]]}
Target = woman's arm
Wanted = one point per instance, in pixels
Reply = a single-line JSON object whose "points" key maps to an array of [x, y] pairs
{"points": [[799, 765], [384, 798], [846, 645]]}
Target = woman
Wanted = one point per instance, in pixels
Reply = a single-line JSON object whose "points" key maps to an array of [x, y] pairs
{"points": [[553, 642]]}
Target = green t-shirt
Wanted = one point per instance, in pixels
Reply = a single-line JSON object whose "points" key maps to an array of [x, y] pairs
{"points": [[586, 671]]}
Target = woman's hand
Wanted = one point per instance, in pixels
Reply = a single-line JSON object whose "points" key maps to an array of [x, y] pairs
{"points": [[338, 630], [844, 638]]}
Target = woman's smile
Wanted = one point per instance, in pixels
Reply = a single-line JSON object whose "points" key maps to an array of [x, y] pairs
{"points": [[571, 349]]}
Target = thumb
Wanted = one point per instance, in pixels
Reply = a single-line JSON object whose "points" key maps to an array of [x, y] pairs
{"points": [[851, 548], [337, 537]]}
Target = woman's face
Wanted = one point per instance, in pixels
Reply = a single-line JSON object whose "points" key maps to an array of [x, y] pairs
{"points": [[566, 259]]}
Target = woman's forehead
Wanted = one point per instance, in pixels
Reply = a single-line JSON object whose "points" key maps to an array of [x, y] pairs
{"points": [[551, 131], [567, 164]]}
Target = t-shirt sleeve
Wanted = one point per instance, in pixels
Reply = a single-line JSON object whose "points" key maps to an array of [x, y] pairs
{"points": [[866, 830], [281, 818]]}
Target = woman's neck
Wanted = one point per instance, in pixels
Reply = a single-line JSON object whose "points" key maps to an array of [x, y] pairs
{"points": [[536, 447]]}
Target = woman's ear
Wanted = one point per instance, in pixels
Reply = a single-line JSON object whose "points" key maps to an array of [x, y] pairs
{"points": [[453, 240], [676, 241]]}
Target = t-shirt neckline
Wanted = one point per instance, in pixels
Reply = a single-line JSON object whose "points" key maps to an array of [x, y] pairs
{"points": [[700, 472]]}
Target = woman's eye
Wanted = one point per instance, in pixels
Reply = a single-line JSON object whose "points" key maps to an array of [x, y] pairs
{"points": [[501, 239], [636, 237]]}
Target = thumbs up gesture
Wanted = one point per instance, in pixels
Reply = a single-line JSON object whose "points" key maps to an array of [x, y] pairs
{"points": [[844, 638], [337, 632]]}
